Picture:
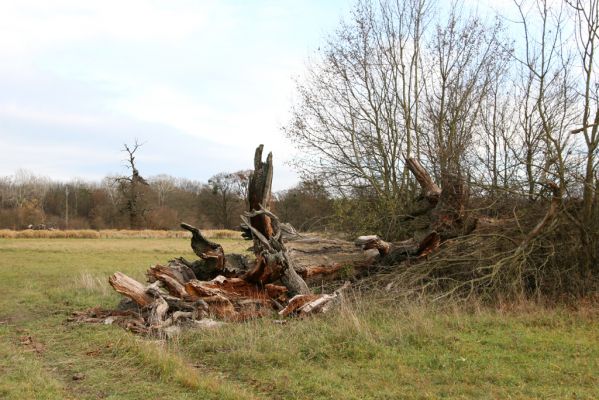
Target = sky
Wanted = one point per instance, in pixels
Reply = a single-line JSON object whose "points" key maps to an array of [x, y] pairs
{"points": [[199, 83]]}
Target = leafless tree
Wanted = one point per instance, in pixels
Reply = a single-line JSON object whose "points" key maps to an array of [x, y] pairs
{"points": [[163, 185], [379, 95], [467, 58], [547, 92], [586, 16], [358, 110], [228, 192], [133, 188]]}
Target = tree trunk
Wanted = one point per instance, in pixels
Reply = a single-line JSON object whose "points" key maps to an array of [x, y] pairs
{"points": [[131, 288], [272, 261]]}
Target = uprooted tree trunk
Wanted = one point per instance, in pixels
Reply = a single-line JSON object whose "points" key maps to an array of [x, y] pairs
{"points": [[234, 287], [272, 259]]}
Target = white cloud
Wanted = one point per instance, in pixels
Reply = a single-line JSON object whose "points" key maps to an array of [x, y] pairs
{"points": [[51, 117], [59, 161], [29, 26], [209, 80]]}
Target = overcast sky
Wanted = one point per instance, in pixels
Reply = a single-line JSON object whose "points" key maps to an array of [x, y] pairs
{"points": [[201, 83]]}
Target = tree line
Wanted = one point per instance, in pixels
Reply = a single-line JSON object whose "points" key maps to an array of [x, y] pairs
{"points": [[160, 202]]}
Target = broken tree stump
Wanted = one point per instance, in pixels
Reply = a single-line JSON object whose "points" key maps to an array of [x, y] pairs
{"points": [[131, 288], [272, 261], [233, 287]]}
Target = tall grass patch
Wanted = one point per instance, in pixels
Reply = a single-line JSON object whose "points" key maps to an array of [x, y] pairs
{"points": [[113, 234]]}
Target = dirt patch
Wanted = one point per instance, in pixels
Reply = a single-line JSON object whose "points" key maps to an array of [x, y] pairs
{"points": [[31, 344]]}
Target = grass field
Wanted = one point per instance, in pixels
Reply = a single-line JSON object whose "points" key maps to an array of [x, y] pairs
{"points": [[112, 234], [367, 349]]}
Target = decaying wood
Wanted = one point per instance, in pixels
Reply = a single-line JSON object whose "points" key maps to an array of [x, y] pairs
{"points": [[212, 255], [233, 287], [374, 242], [159, 308], [319, 259], [307, 304], [131, 288], [430, 190], [172, 278], [272, 261], [259, 192]]}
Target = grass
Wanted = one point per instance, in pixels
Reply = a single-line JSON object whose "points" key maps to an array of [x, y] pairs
{"points": [[368, 349], [113, 234]]}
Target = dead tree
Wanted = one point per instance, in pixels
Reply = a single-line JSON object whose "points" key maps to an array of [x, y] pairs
{"points": [[272, 260], [133, 188], [232, 287]]}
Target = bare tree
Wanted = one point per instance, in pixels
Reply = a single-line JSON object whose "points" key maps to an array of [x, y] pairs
{"points": [[495, 169], [162, 184], [467, 58], [548, 91], [133, 188], [357, 115], [587, 34], [586, 19], [379, 95]]}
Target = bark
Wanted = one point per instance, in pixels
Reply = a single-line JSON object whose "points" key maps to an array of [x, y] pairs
{"points": [[430, 190], [233, 288], [272, 260], [131, 288], [212, 253]]}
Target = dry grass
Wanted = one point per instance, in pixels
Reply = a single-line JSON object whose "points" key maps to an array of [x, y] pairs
{"points": [[112, 234], [371, 347], [93, 283]]}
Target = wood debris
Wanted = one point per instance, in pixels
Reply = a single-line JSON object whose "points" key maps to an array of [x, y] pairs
{"points": [[218, 288]]}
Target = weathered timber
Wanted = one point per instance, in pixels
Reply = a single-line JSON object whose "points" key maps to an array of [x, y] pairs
{"points": [[169, 276], [446, 207], [234, 288], [212, 253], [259, 192], [158, 311], [318, 259], [374, 242], [131, 288], [306, 304], [430, 190], [272, 260]]}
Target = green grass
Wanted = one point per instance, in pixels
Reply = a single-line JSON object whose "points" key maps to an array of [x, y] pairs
{"points": [[366, 349]]}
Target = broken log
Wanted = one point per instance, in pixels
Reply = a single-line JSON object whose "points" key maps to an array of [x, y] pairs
{"points": [[168, 276], [233, 288], [307, 304], [131, 288], [318, 259], [272, 261], [212, 255], [430, 190]]}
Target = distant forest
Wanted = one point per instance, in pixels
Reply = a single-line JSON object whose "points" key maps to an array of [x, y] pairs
{"points": [[158, 202]]}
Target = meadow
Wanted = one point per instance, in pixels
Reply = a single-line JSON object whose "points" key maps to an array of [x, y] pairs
{"points": [[372, 347]]}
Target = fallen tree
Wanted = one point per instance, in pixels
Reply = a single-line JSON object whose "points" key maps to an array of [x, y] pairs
{"points": [[234, 287]]}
